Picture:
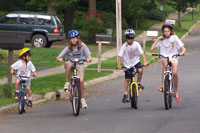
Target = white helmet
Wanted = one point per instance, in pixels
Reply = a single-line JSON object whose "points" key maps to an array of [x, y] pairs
{"points": [[129, 33]]}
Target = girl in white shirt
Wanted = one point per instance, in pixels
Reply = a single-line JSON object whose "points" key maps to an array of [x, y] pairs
{"points": [[169, 44]]}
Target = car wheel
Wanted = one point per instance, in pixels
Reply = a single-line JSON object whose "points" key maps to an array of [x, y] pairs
{"points": [[39, 41], [48, 44]]}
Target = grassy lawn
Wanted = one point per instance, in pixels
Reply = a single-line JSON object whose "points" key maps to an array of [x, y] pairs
{"points": [[111, 63]]}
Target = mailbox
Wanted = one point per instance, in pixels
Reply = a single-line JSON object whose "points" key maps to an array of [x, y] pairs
{"points": [[101, 37], [12, 43]]}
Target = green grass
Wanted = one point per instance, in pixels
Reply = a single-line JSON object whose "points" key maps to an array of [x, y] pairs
{"points": [[55, 82], [6, 101], [111, 63]]}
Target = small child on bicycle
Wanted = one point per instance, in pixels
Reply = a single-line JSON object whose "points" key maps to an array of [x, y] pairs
{"points": [[24, 67], [169, 45], [130, 52], [75, 49]]}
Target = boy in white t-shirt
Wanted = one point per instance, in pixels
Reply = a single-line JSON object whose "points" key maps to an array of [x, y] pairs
{"points": [[24, 67], [130, 52], [169, 45]]}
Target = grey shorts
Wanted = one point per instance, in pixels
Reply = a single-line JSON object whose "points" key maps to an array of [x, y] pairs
{"points": [[27, 83]]}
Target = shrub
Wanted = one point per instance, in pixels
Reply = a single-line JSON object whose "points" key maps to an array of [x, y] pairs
{"points": [[94, 27], [6, 91], [155, 14], [3, 54]]}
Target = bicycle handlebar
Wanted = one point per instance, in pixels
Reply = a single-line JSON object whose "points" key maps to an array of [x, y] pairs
{"points": [[74, 61], [162, 56]]}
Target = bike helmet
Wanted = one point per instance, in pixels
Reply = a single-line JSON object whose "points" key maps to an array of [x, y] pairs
{"points": [[72, 34], [129, 34], [24, 51], [170, 26]]}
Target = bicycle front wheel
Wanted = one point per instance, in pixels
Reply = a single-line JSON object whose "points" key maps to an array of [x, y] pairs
{"points": [[167, 92], [21, 104], [133, 97], [76, 97]]}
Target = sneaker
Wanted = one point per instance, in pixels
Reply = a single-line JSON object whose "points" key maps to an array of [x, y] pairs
{"points": [[16, 95], [67, 87], [83, 104], [125, 99], [140, 87], [29, 103]]}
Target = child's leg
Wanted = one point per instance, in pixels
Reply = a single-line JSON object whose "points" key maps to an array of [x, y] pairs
{"points": [[126, 82], [68, 67], [164, 64], [80, 73], [139, 77], [17, 83], [175, 75], [28, 88]]}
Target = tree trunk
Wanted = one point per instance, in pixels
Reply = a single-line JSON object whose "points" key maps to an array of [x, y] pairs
{"points": [[51, 9], [69, 17], [179, 19], [92, 8]]}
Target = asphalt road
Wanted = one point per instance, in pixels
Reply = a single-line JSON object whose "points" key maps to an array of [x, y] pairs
{"points": [[106, 113]]}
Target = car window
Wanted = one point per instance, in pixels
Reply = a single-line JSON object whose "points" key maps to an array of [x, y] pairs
{"points": [[9, 19], [58, 21], [26, 19], [44, 20]]}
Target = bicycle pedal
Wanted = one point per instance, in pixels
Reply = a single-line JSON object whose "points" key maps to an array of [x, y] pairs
{"points": [[16, 98], [126, 102], [66, 90]]}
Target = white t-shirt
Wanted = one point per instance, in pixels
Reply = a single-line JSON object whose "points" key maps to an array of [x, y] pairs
{"points": [[130, 54], [169, 46], [23, 69]]}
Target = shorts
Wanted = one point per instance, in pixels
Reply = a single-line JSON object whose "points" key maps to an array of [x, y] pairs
{"points": [[80, 71], [27, 83], [128, 73]]}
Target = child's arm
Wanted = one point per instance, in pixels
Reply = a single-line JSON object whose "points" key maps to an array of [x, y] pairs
{"points": [[144, 60], [153, 46], [11, 70], [183, 50], [119, 59], [34, 74], [60, 59], [89, 59]]}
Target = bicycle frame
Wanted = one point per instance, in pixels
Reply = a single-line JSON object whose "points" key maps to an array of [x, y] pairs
{"points": [[132, 81], [169, 73]]}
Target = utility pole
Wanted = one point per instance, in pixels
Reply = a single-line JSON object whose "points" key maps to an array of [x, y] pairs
{"points": [[118, 25]]}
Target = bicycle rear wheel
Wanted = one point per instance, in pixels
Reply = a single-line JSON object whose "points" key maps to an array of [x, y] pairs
{"points": [[76, 97], [166, 92], [21, 103], [134, 97]]}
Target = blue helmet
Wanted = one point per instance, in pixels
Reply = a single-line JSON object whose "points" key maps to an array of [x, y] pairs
{"points": [[72, 34]]}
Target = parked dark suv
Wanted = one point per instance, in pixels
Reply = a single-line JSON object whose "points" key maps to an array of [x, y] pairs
{"points": [[41, 29]]}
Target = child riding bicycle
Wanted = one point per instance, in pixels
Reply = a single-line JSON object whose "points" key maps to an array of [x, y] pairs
{"points": [[130, 52], [169, 45], [75, 49], [24, 67]]}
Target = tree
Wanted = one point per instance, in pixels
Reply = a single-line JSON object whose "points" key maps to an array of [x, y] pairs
{"points": [[51, 8], [180, 6], [68, 7], [92, 7]]}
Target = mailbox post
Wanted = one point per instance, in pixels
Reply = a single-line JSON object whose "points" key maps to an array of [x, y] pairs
{"points": [[10, 44], [100, 39]]}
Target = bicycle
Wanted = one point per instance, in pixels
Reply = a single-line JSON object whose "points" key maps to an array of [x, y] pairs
{"points": [[22, 97], [133, 88], [75, 90], [168, 88]]}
